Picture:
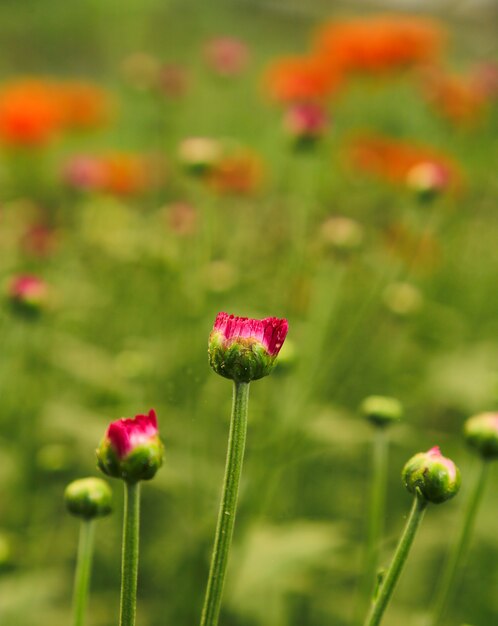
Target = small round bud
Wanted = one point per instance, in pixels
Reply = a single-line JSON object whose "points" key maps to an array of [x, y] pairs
{"points": [[481, 432], [432, 476], [88, 498], [381, 410], [28, 294]]}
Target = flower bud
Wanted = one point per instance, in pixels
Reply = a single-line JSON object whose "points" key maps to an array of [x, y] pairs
{"points": [[199, 155], [306, 123], [245, 349], [381, 410], [481, 432], [131, 448], [432, 476], [28, 293], [428, 179], [88, 498]]}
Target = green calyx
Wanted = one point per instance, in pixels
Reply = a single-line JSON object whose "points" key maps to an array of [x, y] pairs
{"points": [[431, 476], [381, 410], [88, 498], [242, 360], [141, 463], [481, 433]]}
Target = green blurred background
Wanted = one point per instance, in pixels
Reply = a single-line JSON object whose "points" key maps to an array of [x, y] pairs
{"points": [[132, 304]]}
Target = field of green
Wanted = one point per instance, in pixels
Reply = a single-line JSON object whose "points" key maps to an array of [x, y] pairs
{"points": [[132, 298]]}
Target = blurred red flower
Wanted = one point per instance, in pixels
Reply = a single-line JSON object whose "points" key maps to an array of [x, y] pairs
{"points": [[300, 78], [30, 112], [226, 56], [380, 43]]}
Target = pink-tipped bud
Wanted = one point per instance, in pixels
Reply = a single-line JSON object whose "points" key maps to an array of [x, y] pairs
{"points": [[131, 448], [84, 173], [305, 123], [28, 293], [431, 476], [428, 179], [245, 349], [481, 432]]}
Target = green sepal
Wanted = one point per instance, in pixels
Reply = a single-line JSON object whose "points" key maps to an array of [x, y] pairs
{"points": [[243, 360]]}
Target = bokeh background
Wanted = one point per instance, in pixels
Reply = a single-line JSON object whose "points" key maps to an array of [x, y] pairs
{"points": [[376, 239]]}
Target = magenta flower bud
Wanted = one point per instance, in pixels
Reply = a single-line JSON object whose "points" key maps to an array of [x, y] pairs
{"points": [[245, 349], [85, 173], [131, 448], [431, 476], [29, 293], [481, 432], [305, 122]]}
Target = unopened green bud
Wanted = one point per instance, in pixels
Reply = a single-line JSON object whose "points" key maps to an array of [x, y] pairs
{"points": [[382, 410], [481, 432], [431, 476], [88, 498]]}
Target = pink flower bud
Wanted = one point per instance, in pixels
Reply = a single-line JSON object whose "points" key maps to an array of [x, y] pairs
{"points": [[85, 173], [131, 448], [305, 122], [245, 349], [28, 292], [432, 476]]}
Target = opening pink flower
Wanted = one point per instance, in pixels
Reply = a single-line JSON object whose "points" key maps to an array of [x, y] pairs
{"points": [[131, 448], [243, 348]]}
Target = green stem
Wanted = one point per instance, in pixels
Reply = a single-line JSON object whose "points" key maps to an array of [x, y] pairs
{"points": [[228, 506], [129, 563], [380, 603], [455, 559], [83, 571], [377, 508]]}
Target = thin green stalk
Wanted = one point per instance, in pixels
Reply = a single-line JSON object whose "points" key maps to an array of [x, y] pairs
{"points": [[377, 509], [387, 587], [129, 564], [228, 506], [457, 555], [83, 571]]}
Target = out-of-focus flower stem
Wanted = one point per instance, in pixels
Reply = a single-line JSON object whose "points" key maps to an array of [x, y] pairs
{"points": [[83, 571], [377, 507], [389, 583], [228, 506], [460, 547], [129, 565]]}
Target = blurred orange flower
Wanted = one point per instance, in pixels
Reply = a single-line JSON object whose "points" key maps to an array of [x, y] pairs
{"points": [[84, 105], [393, 159], [300, 78], [378, 43], [30, 112], [460, 99], [240, 172], [126, 174]]}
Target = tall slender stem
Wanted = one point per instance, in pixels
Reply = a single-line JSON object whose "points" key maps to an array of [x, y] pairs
{"points": [[83, 571], [228, 506], [129, 563], [380, 602], [377, 507], [455, 559]]}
